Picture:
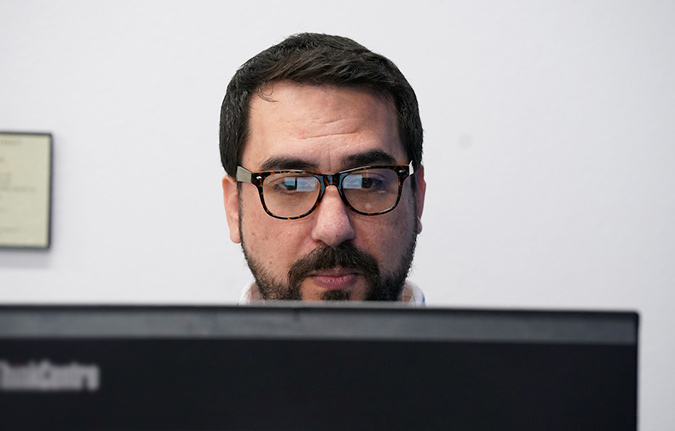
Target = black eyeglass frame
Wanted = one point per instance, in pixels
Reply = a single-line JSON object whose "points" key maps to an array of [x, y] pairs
{"points": [[257, 179]]}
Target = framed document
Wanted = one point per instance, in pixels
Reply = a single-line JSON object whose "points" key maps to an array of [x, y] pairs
{"points": [[25, 190]]}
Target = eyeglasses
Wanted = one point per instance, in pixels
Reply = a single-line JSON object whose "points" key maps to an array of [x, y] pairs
{"points": [[292, 194]]}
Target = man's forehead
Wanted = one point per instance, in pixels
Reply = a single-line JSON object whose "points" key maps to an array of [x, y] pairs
{"points": [[321, 129]]}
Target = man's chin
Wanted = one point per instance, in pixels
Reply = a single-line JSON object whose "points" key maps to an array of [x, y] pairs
{"points": [[320, 290], [333, 295], [337, 295]]}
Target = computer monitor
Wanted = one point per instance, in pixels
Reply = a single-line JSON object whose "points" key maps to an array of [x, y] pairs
{"points": [[298, 366]]}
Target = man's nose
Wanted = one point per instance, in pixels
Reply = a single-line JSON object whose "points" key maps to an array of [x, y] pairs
{"points": [[333, 224]]}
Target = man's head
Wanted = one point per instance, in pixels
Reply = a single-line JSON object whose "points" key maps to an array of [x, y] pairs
{"points": [[325, 105]]}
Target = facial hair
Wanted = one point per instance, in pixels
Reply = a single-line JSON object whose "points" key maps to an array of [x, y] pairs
{"points": [[379, 287]]}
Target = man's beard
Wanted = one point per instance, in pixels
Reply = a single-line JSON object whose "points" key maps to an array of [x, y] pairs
{"points": [[380, 287]]}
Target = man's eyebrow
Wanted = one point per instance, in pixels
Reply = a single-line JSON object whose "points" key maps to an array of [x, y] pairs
{"points": [[279, 163], [375, 157]]}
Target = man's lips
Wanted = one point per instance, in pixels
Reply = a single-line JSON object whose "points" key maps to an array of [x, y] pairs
{"points": [[334, 279]]}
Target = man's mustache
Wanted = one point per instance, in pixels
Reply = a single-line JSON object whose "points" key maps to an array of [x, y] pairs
{"points": [[345, 255]]}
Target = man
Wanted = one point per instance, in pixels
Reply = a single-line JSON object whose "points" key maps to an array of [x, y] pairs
{"points": [[321, 141]]}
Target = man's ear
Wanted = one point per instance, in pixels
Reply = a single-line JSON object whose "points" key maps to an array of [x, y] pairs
{"points": [[419, 195], [231, 200]]}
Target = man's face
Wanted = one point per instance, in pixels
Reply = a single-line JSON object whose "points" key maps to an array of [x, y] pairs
{"points": [[333, 253]]}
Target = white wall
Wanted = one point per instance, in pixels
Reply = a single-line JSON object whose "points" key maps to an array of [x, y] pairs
{"points": [[550, 150]]}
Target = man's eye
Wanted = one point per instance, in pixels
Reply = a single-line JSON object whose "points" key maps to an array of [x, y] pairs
{"points": [[364, 182], [293, 184], [288, 184], [370, 183]]}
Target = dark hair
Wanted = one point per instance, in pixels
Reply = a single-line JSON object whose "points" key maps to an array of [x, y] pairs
{"points": [[316, 59]]}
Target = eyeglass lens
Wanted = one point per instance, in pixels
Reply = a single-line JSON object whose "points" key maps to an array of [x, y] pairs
{"points": [[368, 191]]}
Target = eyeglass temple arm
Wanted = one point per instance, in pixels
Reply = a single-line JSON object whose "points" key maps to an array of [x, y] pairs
{"points": [[243, 175], [411, 169]]}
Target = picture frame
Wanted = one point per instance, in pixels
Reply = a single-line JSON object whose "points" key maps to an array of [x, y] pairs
{"points": [[25, 190]]}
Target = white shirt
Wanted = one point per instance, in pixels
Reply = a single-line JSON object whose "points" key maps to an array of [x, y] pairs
{"points": [[411, 295]]}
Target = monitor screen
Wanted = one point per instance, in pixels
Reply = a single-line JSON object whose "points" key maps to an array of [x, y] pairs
{"points": [[298, 366]]}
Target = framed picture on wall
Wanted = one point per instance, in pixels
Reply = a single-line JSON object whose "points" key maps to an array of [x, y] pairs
{"points": [[25, 190]]}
